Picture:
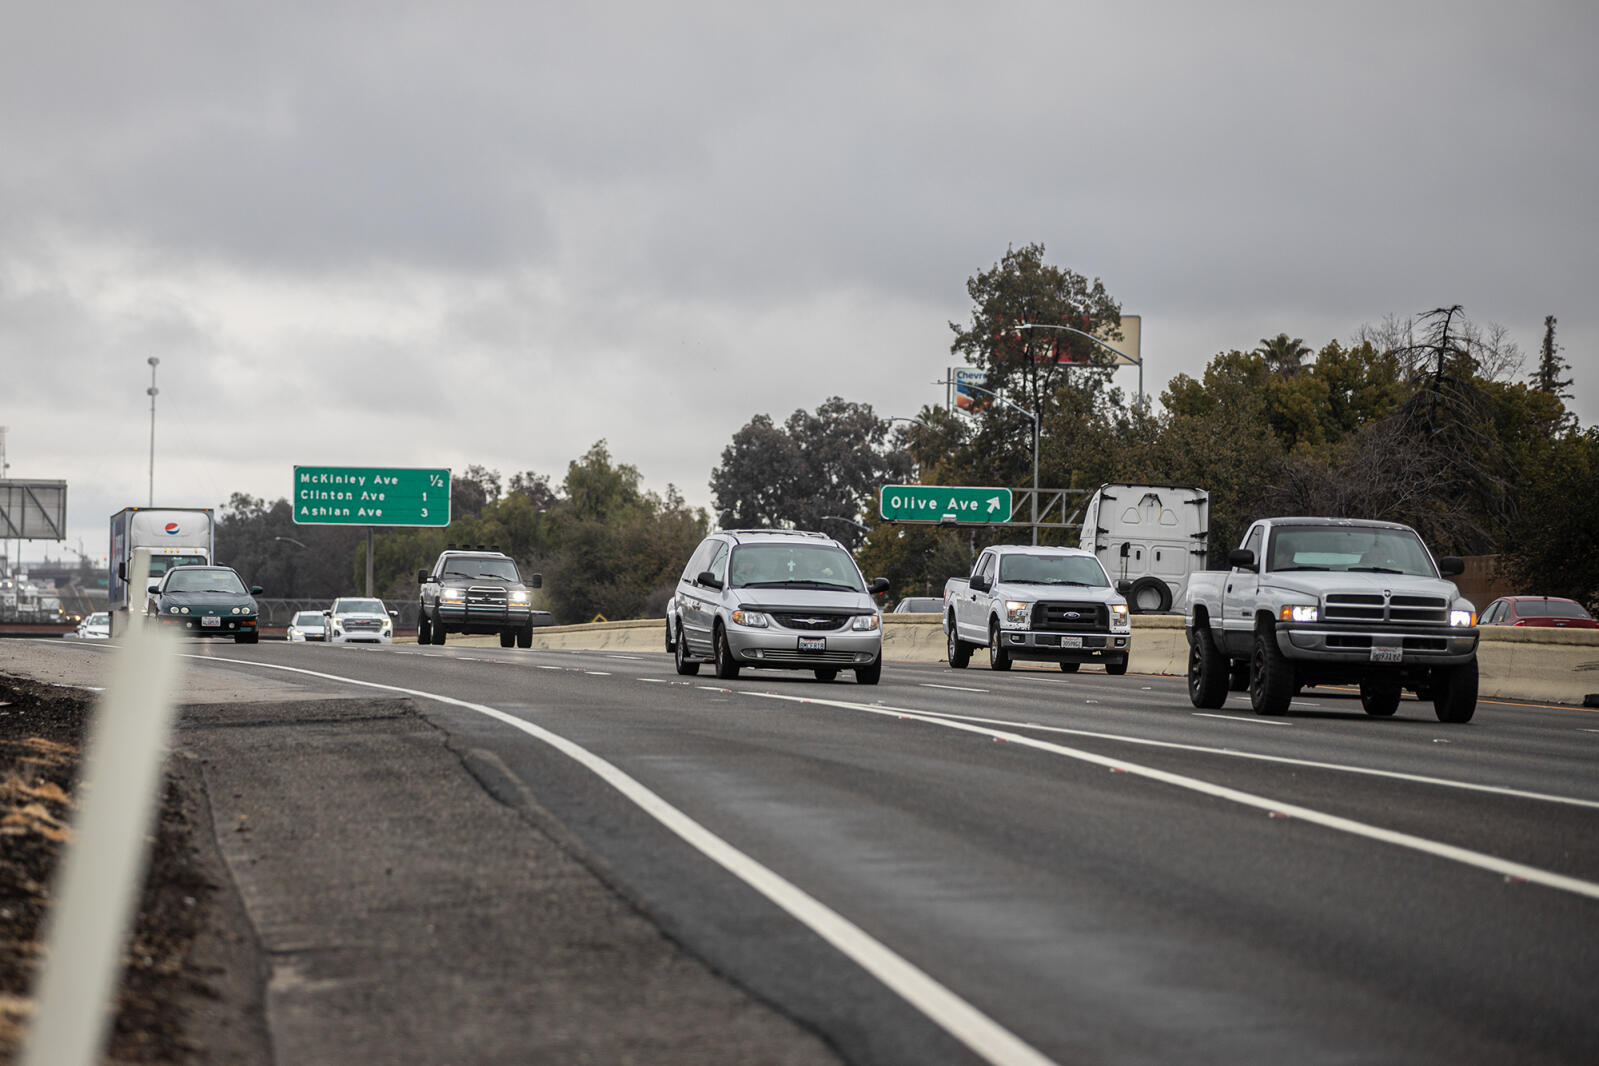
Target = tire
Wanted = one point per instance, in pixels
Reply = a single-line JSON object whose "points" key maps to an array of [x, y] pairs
{"points": [[1380, 695], [869, 675], [247, 638], [726, 667], [998, 658], [671, 645], [1454, 692], [438, 632], [507, 638], [424, 632], [680, 660], [1271, 677], [1209, 673], [1069, 668], [960, 652], [1149, 595], [1116, 667], [826, 673], [524, 636]]}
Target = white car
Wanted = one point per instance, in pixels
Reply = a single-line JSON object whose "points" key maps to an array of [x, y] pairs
{"points": [[306, 625], [95, 627], [354, 618]]}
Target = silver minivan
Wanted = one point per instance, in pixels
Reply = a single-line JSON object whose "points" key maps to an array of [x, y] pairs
{"points": [[783, 599]]}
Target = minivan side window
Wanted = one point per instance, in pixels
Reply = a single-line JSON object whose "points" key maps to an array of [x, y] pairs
{"points": [[699, 561], [719, 562]]}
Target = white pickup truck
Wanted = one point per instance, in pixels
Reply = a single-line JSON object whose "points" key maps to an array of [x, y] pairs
{"points": [[1311, 601], [1054, 604]]}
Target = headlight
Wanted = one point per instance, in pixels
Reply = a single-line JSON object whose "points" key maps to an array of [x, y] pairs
{"points": [[1299, 612], [174, 610], [1118, 614], [521, 597], [452, 595], [865, 623], [1462, 619], [753, 619], [1017, 611]]}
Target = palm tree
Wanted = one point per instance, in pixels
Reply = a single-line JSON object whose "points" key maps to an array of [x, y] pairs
{"points": [[1284, 355]]}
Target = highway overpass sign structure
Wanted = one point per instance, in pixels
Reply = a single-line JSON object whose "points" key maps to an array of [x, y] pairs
{"points": [[371, 496]]}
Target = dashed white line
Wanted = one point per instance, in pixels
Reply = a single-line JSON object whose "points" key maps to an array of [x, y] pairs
{"points": [[951, 688], [1239, 718]]}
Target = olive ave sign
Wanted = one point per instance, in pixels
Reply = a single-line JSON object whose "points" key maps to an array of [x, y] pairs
{"points": [[371, 496], [944, 503]]}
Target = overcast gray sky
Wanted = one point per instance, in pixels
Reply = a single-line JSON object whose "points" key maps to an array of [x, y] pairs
{"points": [[444, 234]]}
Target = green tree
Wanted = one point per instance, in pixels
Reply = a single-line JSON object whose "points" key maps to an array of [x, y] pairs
{"points": [[1283, 355]]}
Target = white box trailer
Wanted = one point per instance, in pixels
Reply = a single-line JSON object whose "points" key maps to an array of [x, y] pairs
{"points": [[1152, 535], [170, 536]]}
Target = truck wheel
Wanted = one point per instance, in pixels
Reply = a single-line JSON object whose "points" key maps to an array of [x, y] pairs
{"points": [[726, 666], [869, 675], [1149, 594], [438, 632], [960, 652], [507, 638], [1454, 692], [524, 636], [998, 658], [1271, 677], [680, 658], [1380, 695], [1208, 671], [1116, 667], [1069, 668], [424, 632]]}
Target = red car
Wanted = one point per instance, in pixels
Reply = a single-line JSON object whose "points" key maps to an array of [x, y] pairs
{"points": [[1551, 611]]}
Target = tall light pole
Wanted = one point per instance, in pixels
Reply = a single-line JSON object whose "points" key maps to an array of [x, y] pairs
{"points": [[1123, 356], [1015, 407], [152, 390]]}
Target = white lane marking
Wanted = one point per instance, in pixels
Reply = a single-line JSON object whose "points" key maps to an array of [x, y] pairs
{"points": [[1437, 849], [651, 680], [596, 673], [538, 667], [951, 688], [986, 1037], [635, 658], [1239, 718]]}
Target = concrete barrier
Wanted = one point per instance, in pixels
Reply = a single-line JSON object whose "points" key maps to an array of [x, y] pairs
{"points": [[1550, 665]]}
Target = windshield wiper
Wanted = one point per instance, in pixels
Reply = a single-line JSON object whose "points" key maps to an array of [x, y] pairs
{"points": [[1285, 569], [1373, 570], [798, 583], [1078, 584]]}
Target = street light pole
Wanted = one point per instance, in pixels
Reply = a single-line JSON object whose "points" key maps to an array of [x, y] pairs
{"points": [[152, 390], [1015, 407], [1139, 362]]}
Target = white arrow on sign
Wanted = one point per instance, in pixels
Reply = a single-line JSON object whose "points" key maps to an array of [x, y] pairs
{"points": [[993, 504]]}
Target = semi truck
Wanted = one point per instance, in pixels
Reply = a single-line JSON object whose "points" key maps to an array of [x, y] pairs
{"points": [[170, 536], [1153, 536]]}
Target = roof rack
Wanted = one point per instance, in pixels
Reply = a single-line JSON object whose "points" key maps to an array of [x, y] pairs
{"points": [[775, 533]]}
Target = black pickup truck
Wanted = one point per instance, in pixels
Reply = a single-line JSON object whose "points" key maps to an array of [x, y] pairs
{"points": [[477, 591]]}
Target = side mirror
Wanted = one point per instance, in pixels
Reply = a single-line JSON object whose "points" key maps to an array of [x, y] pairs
{"points": [[980, 584], [879, 585], [1124, 586], [536, 581], [709, 580], [421, 577], [1451, 565], [152, 586], [1241, 559], [122, 571], [394, 614], [256, 590]]}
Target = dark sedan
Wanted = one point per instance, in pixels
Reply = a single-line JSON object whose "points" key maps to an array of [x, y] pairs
{"points": [[207, 601]]}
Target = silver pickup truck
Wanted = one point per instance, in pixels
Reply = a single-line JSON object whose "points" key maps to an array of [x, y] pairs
{"points": [[1311, 601], [1054, 604]]}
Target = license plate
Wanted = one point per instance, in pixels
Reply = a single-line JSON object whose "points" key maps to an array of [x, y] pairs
{"points": [[812, 643], [212, 620], [1071, 642], [1387, 655]]}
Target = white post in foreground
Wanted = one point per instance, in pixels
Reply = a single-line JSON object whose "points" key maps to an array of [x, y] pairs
{"points": [[103, 869]]}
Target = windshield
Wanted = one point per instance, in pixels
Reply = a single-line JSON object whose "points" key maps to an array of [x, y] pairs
{"points": [[793, 566], [307, 618], [1053, 570], [359, 607], [194, 579], [469, 567], [1350, 548]]}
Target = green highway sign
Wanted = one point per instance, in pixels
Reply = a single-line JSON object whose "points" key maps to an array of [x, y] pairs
{"points": [[943, 503], [370, 496]]}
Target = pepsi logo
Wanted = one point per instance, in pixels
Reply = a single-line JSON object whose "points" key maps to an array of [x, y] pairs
{"points": [[172, 529]]}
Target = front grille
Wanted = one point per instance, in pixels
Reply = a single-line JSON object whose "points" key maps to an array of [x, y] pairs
{"points": [[806, 658], [486, 597], [1374, 607], [809, 621], [1069, 617], [352, 624]]}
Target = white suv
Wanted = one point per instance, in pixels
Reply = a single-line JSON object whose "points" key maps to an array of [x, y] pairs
{"points": [[354, 618], [775, 598]]}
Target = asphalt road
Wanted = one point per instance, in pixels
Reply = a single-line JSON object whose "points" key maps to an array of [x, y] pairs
{"points": [[967, 866]]}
